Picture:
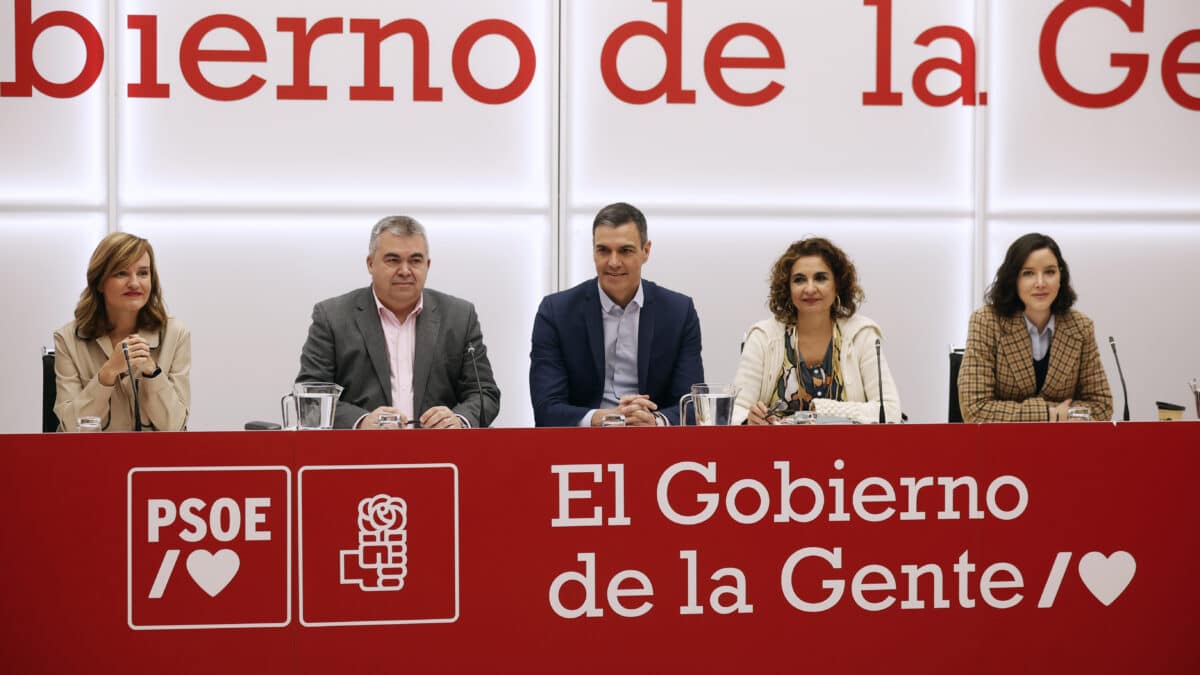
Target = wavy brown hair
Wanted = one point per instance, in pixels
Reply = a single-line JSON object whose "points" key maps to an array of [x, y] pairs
{"points": [[845, 279], [116, 252], [1002, 293]]}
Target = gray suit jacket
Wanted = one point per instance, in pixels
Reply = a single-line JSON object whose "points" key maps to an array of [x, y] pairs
{"points": [[346, 346]]}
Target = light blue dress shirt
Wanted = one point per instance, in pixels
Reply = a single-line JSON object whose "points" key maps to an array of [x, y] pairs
{"points": [[620, 349], [1040, 341]]}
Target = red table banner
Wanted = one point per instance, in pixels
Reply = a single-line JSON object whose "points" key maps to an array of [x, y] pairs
{"points": [[917, 549]]}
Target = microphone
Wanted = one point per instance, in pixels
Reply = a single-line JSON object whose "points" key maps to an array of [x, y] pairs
{"points": [[879, 367], [1124, 391], [137, 410], [478, 385]]}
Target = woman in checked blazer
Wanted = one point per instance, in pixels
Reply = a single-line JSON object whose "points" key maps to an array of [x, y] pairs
{"points": [[1029, 356]]}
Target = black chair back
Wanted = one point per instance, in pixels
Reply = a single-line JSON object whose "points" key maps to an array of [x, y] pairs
{"points": [[956, 357], [49, 392]]}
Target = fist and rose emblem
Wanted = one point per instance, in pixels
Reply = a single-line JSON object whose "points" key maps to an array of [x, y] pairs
{"points": [[380, 562]]}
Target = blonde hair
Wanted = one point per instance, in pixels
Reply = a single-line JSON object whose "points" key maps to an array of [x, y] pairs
{"points": [[115, 252]]}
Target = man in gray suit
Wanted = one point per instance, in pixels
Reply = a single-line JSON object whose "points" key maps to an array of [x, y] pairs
{"points": [[398, 347]]}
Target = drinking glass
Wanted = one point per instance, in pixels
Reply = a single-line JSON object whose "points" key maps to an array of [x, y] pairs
{"points": [[612, 420], [1079, 414], [88, 423], [713, 404], [389, 421]]}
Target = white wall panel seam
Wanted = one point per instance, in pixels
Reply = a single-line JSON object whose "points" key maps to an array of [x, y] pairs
{"points": [[980, 159], [562, 150], [1189, 216], [359, 207], [112, 149], [753, 211], [51, 207], [558, 202]]}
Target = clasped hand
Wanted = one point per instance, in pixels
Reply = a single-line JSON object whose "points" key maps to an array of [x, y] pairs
{"points": [[638, 410], [1058, 413], [437, 417], [139, 360]]}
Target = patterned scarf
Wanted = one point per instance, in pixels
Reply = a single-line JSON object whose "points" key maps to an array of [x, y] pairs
{"points": [[798, 384]]}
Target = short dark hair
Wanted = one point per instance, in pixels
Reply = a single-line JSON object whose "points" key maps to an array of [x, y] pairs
{"points": [[845, 279], [616, 215], [1002, 293]]}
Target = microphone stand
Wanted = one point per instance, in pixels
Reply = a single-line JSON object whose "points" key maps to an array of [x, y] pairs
{"points": [[478, 385], [137, 410], [1124, 391], [879, 368]]}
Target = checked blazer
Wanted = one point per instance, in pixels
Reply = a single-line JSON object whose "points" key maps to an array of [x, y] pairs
{"points": [[996, 382]]}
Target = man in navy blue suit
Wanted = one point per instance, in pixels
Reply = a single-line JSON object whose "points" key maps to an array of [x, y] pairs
{"points": [[614, 344]]}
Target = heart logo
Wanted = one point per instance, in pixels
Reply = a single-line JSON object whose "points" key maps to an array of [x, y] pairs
{"points": [[1107, 577], [213, 571]]}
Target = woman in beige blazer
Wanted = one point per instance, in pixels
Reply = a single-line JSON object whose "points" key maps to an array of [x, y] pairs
{"points": [[120, 311], [1029, 356]]}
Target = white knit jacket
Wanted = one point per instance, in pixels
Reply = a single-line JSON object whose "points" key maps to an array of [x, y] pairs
{"points": [[763, 354]]}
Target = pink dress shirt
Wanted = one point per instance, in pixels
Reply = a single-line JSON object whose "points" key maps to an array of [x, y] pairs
{"points": [[401, 339]]}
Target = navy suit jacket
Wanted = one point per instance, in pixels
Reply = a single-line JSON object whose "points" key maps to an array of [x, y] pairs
{"points": [[566, 364]]}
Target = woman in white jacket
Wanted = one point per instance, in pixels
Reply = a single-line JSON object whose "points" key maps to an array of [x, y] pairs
{"points": [[816, 353]]}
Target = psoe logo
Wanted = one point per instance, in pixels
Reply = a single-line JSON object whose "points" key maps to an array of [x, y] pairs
{"points": [[209, 547], [378, 544]]}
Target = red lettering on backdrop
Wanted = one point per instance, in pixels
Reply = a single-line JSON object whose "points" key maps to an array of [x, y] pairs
{"points": [[1172, 67], [148, 86], [373, 37], [191, 56], [965, 70], [883, 94], [303, 37], [26, 33], [1133, 17], [461, 61], [715, 62], [671, 40]]}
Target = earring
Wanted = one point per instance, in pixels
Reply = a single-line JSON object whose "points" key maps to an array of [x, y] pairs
{"points": [[837, 306]]}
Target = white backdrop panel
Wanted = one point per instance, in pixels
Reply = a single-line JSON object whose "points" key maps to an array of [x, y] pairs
{"points": [[43, 264], [1137, 282], [190, 149], [913, 272], [54, 149], [246, 285], [815, 145], [1047, 154]]}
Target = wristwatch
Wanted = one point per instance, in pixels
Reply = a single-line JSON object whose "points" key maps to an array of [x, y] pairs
{"points": [[153, 375]]}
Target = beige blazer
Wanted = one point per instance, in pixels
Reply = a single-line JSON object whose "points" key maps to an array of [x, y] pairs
{"points": [[164, 400], [763, 355], [996, 382]]}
